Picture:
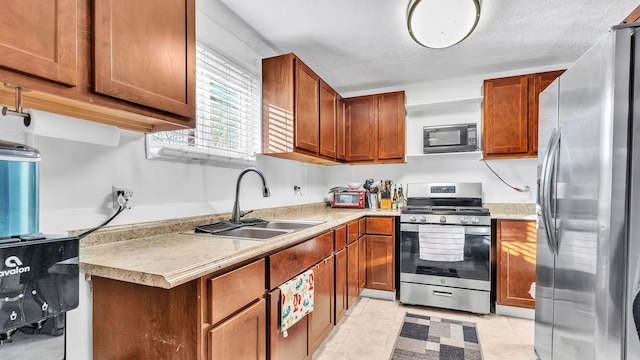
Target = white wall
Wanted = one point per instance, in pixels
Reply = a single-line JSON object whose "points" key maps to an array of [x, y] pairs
{"points": [[76, 178]]}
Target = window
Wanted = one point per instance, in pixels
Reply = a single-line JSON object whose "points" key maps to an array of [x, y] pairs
{"points": [[227, 108]]}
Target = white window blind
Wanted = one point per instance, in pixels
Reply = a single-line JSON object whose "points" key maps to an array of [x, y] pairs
{"points": [[227, 111]]}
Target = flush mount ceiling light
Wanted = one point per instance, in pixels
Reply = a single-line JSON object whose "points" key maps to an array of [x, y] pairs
{"points": [[442, 23]]}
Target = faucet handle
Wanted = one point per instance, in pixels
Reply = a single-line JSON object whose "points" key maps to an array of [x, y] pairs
{"points": [[243, 213]]}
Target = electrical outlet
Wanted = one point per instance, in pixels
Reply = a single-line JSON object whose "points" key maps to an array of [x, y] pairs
{"points": [[121, 197]]}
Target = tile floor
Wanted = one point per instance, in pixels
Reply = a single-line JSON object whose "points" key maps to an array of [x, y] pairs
{"points": [[368, 331]]}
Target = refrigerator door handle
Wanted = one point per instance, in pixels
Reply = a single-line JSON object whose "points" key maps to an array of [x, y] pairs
{"points": [[546, 196]]}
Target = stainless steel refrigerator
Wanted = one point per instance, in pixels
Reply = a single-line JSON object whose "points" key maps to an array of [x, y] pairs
{"points": [[589, 205]]}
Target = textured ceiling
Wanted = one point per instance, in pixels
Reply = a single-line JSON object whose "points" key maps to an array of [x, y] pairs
{"points": [[364, 44]]}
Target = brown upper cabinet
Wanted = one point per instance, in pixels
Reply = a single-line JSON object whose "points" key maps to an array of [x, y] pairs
{"points": [[634, 16], [40, 39], [299, 118], [328, 121], [145, 59], [304, 119], [510, 114], [340, 133], [375, 128], [97, 60]]}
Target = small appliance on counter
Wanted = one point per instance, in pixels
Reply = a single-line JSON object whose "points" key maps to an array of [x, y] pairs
{"points": [[39, 275], [348, 197]]}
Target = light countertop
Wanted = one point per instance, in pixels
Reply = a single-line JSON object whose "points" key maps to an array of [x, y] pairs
{"points": [[164, 254], [169, 260]]}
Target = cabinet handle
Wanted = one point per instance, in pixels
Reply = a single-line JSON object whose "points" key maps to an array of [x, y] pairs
{"points": [[442, 293]]}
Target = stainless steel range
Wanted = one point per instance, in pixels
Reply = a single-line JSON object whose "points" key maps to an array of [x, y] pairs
{"points": [[445, 247]]}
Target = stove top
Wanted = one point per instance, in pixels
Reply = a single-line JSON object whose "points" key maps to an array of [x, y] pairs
{"points": [[446, 210]]}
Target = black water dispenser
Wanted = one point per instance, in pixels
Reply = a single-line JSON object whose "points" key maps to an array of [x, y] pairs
{"points": [[39, 275]]}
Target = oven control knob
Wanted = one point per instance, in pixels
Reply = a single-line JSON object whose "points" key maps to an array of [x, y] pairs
{"points": [[443, 219], [423, 218], [412, 218], [464, 219], [475, 220]]}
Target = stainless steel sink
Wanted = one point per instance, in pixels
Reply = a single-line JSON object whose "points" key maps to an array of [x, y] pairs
{"points": [[261, 231], [288, 224], [252, 233]]}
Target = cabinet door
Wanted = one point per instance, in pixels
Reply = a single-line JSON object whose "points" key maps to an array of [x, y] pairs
{"points": [[391, 123], [328, 121], [506, 114], [362, 132], [634, 16], [341, 284], [340, 130], [352, 273], [241, 337], [362, 263], [293, 347], [39, 38], [541, 81], [145, 53], [352, 231], [516, 263], [380, 225], [307, 108], [379, 259], [323, 301]]}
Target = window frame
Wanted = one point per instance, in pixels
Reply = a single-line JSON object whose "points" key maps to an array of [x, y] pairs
{"points": [[195, 145]]}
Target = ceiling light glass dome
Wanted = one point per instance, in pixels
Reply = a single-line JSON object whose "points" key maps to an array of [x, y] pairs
{"points": [[442, 23]]}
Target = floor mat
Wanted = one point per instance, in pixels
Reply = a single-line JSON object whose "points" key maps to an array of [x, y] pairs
{"points": [[434, 338]]}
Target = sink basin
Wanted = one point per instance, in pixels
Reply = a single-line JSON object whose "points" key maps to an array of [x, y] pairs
{"points": [[288, 224], [258, 231], [252, 233]]}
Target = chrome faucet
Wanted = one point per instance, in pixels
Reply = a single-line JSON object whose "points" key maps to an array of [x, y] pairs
{"points": [[236, 214]]}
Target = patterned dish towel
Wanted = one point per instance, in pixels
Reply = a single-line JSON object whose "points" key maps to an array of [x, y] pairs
{"points": [[296, 300]]}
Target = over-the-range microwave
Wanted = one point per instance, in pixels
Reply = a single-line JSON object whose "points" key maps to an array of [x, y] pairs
{"points": [[450, 138]]}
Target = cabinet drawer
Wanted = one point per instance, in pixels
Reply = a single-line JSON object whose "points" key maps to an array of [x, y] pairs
{"points": [[289, 262], [380, 225], [236, 289], [352, 231], [445, 297], [517, 230], [225, 342]]}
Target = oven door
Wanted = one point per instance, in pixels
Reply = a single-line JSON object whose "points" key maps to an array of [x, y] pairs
{"points": [[471, 273]]}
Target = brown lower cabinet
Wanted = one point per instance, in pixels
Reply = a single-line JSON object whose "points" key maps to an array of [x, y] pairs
{"points": [[362, 263], [379, 251], [226, 316], [352, 274], [195, 320], [516, 262], [322, 317], [341, 284], [132, 321], [244, 336], [302, 338], [379, 263], [296, 345]]}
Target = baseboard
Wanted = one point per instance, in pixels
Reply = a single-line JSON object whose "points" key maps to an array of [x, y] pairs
{"points": [[378, 294], [515, 312]]}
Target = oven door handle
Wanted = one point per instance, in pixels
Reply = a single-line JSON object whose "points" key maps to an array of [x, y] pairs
{"points": [[477, 230]]}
